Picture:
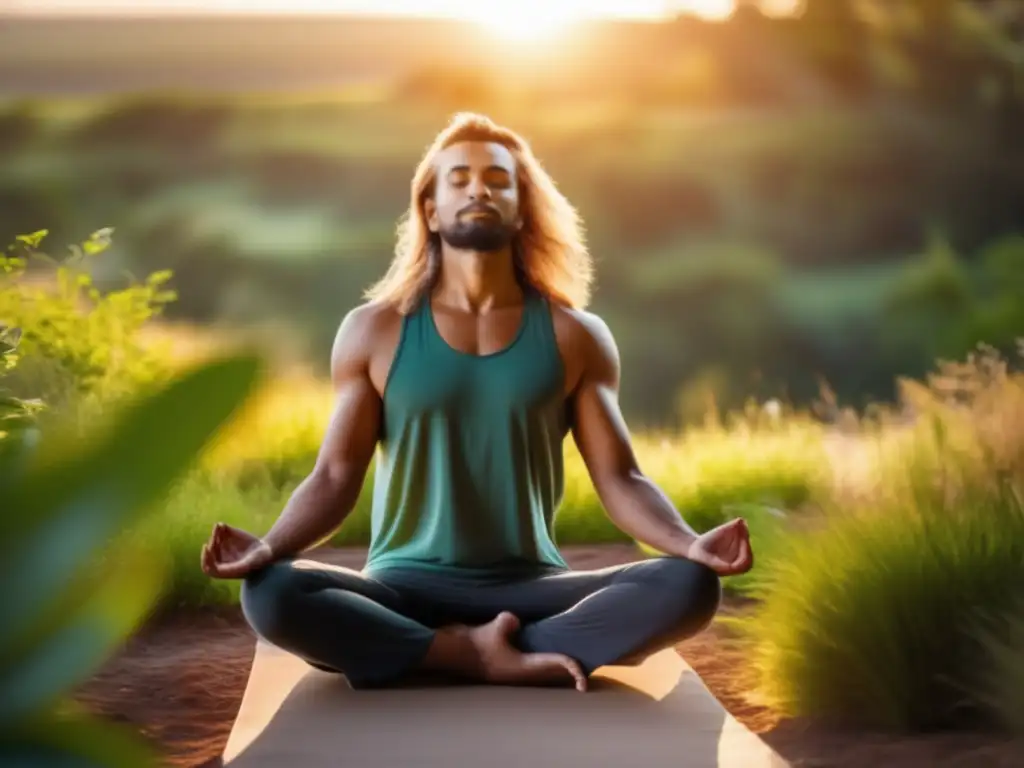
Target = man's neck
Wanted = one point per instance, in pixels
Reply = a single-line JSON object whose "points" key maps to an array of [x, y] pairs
{"points": [[477, 282]]}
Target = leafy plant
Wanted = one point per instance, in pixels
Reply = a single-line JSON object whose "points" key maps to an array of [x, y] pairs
{"points": [[17, 416], [76, 338], [69, 596]]}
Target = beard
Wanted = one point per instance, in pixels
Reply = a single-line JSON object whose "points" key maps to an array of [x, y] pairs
{"points": [[482, 235]]}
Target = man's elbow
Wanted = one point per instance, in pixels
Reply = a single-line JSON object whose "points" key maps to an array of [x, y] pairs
{"points": [[617, 484], [337, 479]]}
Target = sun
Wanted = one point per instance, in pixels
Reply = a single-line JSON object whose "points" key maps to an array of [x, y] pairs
{"points": [[525, 21]]}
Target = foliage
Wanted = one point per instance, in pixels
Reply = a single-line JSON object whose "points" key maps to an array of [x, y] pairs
{"points": [[69, 602], [17, 416], [999, 316], [724, 251], [1002, 686], [875, 615], [282, 207], [77, 341]]}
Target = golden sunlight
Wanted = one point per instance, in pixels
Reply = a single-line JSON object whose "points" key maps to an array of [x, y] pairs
{"points": [[518, 21], [510, 19], [526, 21], [709, 9]]}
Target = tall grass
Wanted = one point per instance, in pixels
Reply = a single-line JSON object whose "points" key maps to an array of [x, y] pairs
{"points": [[876, 615], [248, 474], [1002, 675]]}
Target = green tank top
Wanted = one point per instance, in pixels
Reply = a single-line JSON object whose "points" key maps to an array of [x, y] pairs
{"points": [[469, 469]]}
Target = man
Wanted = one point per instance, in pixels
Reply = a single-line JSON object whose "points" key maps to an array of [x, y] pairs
{"points": [[468, 365]]}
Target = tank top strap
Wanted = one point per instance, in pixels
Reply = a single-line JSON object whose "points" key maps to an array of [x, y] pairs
{"points": [[539, 328], [419, 329]]}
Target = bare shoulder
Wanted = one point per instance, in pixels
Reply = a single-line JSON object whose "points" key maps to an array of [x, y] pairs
{"points": [[586, 343], [583, 329], [366, 335]]}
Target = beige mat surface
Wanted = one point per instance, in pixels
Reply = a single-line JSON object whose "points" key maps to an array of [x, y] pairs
{"points": [[657, 713]]}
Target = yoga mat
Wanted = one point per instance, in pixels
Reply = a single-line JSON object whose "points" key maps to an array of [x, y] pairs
{"points": [[657, 713]]}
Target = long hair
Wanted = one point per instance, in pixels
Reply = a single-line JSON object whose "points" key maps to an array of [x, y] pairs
{"points": [[550, 252]]}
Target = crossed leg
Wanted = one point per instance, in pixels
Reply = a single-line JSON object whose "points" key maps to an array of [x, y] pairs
{"points": [[376, 629]]}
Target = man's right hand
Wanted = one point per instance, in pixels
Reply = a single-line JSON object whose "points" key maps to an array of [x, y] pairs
{"points": [[232, 553]]}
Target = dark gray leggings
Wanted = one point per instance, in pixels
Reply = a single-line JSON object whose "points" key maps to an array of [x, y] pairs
{"points": [[375, 629]]}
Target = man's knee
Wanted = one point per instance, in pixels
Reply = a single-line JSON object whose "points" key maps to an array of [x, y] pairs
{"points": [[268, 598], [689, 591]]}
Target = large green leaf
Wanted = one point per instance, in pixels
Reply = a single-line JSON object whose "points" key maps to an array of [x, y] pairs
{"points": [[61, 511], [65, 650], [61, 741]]}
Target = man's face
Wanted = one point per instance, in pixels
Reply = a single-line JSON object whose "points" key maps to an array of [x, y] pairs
{"points": [[476, 199]]}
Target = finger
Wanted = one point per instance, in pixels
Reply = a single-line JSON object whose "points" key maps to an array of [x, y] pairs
{"points": [[720, 566], [238, 568], [225, 533], [577, 674], [747, 554], [743, 561], [210, 565], [231, 570], [215, 547], [737, 544], [728, 546]]}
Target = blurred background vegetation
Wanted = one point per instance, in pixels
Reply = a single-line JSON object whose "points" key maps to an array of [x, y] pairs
{"points": [[796, 219], [776, 204]]}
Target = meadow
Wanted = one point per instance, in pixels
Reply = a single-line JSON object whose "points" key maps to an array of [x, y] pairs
{"points": [[890, 545]]}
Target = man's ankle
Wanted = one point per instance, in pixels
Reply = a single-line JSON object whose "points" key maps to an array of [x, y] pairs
{"points": [[453, 650]]}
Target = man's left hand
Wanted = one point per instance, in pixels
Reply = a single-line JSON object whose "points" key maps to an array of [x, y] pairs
{"points": [[725, 549]]}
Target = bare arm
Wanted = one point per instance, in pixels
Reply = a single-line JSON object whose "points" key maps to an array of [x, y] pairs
{"points": [[633, 502], [320, 504]]}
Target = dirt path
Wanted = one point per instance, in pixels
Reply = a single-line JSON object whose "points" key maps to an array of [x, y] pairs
{"points": [[180, 683]]}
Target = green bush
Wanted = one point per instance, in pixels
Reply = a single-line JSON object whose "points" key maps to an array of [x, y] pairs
{"points": [[77, 341], [872, 616], [998, 318], [17, 416]]}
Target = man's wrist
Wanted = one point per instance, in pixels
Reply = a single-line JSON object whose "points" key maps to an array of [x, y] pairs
{"points": [[267, 550], [682, 544]]}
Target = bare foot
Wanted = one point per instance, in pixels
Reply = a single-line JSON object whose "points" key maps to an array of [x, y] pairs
{"points": [[504, 664]]}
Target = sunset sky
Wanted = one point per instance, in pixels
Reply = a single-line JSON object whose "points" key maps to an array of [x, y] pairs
{"points": [[508, 19], [458, 8]]}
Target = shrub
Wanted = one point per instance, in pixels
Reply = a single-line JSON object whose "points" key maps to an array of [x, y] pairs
{"points": [[77, 342], [872, 617], [16, 415]]}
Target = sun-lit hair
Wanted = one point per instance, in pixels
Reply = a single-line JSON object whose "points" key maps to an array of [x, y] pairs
{"points": [[550, 249]]}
